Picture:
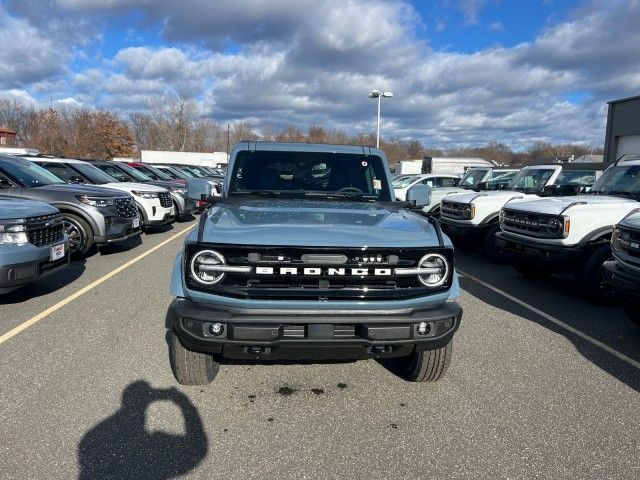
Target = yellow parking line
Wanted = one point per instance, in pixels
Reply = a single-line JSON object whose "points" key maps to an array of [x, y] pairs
{"points": [[32, 321]]}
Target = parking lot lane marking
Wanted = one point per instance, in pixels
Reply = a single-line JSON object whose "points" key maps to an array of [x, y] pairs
{"points": [[32, 321], [554, 320]]}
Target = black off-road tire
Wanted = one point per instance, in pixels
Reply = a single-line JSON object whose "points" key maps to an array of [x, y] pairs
{"points": [[531, 270], [590, 276], [633, 312], [191, 368], [489, 247], [428, 365], [81, 236]]}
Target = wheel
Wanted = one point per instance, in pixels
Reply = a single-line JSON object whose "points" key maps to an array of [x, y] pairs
{"points": [[591, 276], [80, 234], [633, 312], [531, 270], [428, 365], [191, 368], [489, 247]]}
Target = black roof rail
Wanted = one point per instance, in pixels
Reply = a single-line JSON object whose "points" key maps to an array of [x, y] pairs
{"points": [[632, 156]]}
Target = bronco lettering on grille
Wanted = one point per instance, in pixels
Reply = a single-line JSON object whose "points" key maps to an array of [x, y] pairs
{"points": [[329, 272]]}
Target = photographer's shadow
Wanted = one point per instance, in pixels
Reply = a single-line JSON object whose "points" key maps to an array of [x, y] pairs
{"points": [[121, 447]]}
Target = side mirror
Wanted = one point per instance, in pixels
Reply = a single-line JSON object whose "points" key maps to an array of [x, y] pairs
{"points": [[419, 195], [198, 189], [483, 186], [4, 183], [550, 191], [76, 179]]}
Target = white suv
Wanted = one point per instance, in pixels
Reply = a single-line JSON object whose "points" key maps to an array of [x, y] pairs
{"points": [[154, 203], [473, 216], [434, 180], [571, 234]]}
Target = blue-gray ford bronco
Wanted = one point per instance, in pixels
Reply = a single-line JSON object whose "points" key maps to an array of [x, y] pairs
{"points": [[307, 256], [33, 243]]}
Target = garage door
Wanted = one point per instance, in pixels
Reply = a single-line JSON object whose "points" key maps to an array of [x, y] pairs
{"points": [[628, 144]]}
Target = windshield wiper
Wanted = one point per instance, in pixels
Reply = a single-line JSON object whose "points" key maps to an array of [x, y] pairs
{"points": [[342, 195], [264, 193]]}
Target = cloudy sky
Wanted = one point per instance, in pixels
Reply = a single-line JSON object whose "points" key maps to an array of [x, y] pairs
{"points": [[463, 72]]}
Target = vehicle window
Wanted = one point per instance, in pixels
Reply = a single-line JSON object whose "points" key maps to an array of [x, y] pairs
{"points": [[170, 173], [447, 181], [62, 171], [28, 174], [428, 181], [93, 173], [500, 180], [531, 179], [309, 173], [153, 172], [576, 177], [619, 180], [404, 182], [135, 174], [472, 177], [114, 172], [186, 173]]}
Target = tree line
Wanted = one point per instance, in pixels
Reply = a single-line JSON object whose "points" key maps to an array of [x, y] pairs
{"points": [[176, 124]]}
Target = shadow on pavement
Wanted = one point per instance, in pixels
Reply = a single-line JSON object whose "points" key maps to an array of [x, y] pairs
{"points": [[120, 247], [47, 285], [608, 362], [121, 447]]}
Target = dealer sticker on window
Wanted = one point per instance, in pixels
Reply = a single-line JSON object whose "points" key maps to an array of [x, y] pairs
{"points": [[377, 184], [57, 252]]}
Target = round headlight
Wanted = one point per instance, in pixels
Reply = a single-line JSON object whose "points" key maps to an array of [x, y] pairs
{"points": [[201, 264], [439, 270], [554, 226]]}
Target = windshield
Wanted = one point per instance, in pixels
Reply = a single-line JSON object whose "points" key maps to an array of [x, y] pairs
{"points": [[531, 179], [28, 174], [152, 172], [619, 180], [94, 174], [113, 171], [172, 173], [500, 180], [405, 181], [137, 175], [186, 173], [473, 177], [310, 174]]}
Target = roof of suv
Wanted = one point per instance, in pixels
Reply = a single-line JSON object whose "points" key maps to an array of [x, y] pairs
{"points": [[307, 147]]}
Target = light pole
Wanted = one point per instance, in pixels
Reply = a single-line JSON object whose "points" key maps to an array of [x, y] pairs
{"points": [[378, 94]]}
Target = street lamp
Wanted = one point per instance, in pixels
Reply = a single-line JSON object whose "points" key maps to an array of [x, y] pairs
{"points": [[378, 94]]}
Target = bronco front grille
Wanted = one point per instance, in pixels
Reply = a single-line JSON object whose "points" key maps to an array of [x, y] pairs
{"points": [[126, 207], [527, 223], [45, 229], [321, 286], [165, 199], [460, 211], [629, 241]]}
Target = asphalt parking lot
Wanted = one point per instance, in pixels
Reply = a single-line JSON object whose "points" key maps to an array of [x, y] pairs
{"points": [[543, 384]]}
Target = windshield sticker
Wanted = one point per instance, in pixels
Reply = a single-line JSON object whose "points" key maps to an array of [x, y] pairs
{"points": [[377, 184]]}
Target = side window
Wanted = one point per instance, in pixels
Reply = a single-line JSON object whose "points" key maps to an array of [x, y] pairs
{"points": [[114, 172], [585, 177], [447, 182], [61, 171], [427, 181]]}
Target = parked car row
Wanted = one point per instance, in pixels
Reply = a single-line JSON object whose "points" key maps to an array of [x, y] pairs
{"points": [[572, 219], [54, 208]]}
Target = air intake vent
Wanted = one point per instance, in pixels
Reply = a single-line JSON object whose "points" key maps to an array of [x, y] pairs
{"points": [[294, 331], [344, 331]]}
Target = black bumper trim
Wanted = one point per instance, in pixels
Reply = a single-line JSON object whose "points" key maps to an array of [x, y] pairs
{"points": [[376, 333], [533, 252], [40, 269], [622, 280], [106, 240]]}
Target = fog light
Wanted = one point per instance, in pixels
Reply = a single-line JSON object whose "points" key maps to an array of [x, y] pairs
{"points": [[216, 329], [423, 328]]}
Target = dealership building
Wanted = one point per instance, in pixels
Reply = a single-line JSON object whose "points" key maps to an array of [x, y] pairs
{"points": [[623, 128]]}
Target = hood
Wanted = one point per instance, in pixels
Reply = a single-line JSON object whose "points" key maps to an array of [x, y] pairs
{"points": [[129, 186], [558, 205], [471, 196], [75, 189], [20, 208], [276, 222]]}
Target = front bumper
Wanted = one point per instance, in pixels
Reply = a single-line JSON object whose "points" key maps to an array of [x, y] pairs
{"points": [[311, 334], [118, 230], [15, 275], [555, 257], [624, 281], [457, 228]]}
